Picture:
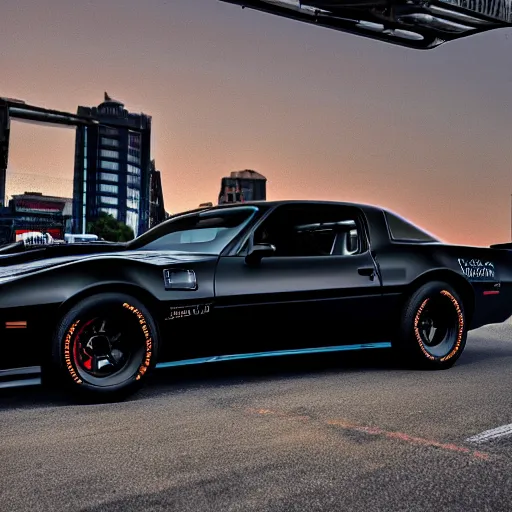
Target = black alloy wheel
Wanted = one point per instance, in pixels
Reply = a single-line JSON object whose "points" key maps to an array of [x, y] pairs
{"points": [[106, 345], [433, 329]]}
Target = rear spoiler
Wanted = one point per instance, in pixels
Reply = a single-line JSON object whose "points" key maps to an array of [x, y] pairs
{"points": [[507, 246]]}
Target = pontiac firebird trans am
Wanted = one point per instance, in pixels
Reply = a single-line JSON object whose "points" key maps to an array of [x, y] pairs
{"points": [[239, 281]]}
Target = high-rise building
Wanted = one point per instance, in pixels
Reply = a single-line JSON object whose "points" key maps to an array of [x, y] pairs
{"points": [[242, 186], [112, 167]]}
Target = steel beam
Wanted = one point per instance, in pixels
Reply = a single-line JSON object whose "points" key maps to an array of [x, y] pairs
{"points": [[19, 110], [4, 148]]}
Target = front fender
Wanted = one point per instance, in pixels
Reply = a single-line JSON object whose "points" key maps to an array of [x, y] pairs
{"points": [[38, 299], [57, 285]]}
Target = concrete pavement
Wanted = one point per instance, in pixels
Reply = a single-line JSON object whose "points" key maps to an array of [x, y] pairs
{"points": [[352, 432]]}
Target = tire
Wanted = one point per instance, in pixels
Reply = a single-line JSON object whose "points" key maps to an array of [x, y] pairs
{"points": [[105, 367], [433, 330]]}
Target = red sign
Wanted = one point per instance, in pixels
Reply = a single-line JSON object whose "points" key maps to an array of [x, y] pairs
{"points": [[55, 233], [24, 205]]}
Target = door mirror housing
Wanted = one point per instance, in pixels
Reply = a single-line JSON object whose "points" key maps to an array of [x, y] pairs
{"points": [[259, 251]]}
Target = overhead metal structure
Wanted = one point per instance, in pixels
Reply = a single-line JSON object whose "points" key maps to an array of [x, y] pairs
{"points": [[417, 24], [17, 109]]}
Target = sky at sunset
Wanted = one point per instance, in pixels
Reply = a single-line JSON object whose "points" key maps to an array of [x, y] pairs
{"points": [[323, 115]]}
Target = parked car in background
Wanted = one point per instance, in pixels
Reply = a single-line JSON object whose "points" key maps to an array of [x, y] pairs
{"points": [[73, 239], [35, 238]]}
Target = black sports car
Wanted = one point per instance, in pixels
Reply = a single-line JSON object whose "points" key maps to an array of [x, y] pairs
{"points": [[238, 281]]}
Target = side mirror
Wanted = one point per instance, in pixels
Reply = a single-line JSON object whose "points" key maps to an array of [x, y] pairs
{"points": [[259, 251]]}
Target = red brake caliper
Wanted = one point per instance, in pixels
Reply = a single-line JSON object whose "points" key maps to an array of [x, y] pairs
{"points": [[88, 362]]}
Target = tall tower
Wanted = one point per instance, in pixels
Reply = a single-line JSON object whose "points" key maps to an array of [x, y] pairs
{"points": [[112, 167]]}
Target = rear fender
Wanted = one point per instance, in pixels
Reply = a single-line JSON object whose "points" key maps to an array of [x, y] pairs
{"points": [[461, 285]]}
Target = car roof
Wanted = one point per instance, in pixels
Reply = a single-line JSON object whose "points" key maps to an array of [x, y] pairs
{"points": [[272, 204]]}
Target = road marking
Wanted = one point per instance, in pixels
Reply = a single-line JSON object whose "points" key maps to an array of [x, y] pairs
{"points": [[488, 435], [374, 431], [401, 436]]}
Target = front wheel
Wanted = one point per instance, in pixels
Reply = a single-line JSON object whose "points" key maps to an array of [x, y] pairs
{"points": [[105, 346], [433, 329]]}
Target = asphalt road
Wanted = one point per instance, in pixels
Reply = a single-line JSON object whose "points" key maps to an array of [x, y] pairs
{"points": [[344, 433]]}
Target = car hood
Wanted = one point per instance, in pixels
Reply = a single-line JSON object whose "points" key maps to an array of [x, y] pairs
{"points": [[159, 258], [18, 253]]}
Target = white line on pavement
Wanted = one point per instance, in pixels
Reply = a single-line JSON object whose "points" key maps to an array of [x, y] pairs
{"points": [[488, 435]]}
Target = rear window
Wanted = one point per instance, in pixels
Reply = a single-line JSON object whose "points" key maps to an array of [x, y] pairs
{"points": [[404, 231]]}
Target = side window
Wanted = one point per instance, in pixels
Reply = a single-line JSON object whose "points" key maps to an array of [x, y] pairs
{"points": [[312, 230], [402, 230]]}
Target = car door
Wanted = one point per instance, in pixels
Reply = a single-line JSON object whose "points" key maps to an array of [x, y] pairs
{"points": [[299, 301]]}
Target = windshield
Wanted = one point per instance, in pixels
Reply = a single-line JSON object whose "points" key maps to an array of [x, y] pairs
{"points": [[207, 232]]}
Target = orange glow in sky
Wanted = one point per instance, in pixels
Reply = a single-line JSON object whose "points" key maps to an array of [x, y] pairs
{"points": [[322, 115]]}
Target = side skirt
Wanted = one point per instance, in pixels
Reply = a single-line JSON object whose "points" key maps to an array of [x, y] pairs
{"points": [[277, 353], [20, 377], [31, 375]]}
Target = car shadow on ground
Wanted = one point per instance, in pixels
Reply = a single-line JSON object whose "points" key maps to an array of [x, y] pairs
{"points": [[274, 368], [304, 366], [226, 373]]}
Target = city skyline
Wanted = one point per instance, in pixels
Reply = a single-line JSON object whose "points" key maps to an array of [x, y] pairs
{"points": [[322, 115]]}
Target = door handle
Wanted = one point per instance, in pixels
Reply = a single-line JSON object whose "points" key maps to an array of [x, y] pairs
{"points": [[367, 271]]}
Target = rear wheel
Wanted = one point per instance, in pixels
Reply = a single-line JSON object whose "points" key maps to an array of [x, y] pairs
{"points": [[433, 327], [105, 346]]}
